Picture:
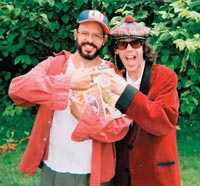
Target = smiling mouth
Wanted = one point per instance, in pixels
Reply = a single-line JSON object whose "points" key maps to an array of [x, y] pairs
{"points": [[89, 46], [130, 57]]}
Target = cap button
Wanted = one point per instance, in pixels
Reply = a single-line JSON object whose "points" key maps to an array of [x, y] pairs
{"points": [[129, 19]]}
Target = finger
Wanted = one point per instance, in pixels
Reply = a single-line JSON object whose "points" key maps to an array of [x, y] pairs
{"points": [[74, 99], [110, 73], [81, 97], [95, 73]]}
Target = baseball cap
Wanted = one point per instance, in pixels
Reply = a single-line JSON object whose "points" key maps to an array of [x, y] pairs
{"points": [[94, 16], [129, 29]]}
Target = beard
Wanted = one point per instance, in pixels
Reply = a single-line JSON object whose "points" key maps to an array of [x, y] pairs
{"points": [[87, 55]]}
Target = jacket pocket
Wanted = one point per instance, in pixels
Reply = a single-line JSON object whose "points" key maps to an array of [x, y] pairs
{"points": [[166, 163]]}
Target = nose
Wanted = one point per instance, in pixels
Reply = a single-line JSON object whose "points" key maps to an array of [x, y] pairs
{"points": [[90, 37], [129, 47]]}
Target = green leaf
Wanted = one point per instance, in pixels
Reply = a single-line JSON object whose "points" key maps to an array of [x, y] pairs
{"points": [[164, 36], [105, 3], [56, 45], [12, 36], [185, 93], [187, 108], [23, 59], [2, 31], [65, 19], [165, 56], [192, 57], [5, 52], [10, 7], [188, 83], [18, 110], [190, 45], [191, 72], [79, 3], [180, 44], [195, 101], [184, 61]]}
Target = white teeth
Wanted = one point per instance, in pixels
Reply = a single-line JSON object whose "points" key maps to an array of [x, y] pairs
{"points": [[129, 57], [89, 46]]}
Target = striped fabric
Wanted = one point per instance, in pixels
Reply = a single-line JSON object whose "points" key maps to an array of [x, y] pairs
{"points": [[129, 28]]}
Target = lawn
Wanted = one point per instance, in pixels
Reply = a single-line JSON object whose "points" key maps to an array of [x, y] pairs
{"points": [[9, 173], [189, 155]]}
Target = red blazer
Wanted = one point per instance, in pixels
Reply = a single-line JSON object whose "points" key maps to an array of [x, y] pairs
{"points": [[152, 153]]}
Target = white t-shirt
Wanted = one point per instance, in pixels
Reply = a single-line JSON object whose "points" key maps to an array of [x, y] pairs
{"points": [[66, 155], [136, 83]]}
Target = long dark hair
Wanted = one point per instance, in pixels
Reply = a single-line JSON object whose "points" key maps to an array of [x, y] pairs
{"points": [[149, 54]]}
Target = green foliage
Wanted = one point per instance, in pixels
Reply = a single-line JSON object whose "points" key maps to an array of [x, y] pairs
{"points": [[14, 129], [31, 30], [175, 35]]}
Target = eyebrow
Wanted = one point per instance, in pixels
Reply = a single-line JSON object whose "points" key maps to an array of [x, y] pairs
{"points": [[91, 33], [102, 33]]}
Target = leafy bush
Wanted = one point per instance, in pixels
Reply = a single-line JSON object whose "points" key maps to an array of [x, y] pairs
{"points": [[176, 36], [31, 30]]}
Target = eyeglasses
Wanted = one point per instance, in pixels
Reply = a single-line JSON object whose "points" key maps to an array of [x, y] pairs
{"points": [[85, 35], [122, 45]]}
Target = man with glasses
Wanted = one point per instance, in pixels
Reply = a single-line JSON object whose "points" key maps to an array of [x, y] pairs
{"points": [[63, 160], [148, 155]]}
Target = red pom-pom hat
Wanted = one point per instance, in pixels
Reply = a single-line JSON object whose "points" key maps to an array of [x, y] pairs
{"points": [[129, 29]]}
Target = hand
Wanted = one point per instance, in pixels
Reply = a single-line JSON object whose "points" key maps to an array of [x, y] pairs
{"points": [[117, 83], [77, 106], [80, 79]]}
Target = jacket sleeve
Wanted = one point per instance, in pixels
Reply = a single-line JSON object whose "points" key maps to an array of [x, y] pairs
{"points": [[91, 126], [39, 87], [157, 112]]}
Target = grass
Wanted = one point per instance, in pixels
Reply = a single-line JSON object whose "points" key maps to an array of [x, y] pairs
{"points": [[188, 146], [189, 155], [9, 172]]}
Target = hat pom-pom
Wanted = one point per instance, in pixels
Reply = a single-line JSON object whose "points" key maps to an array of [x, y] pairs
{"points": [[129, 19]]}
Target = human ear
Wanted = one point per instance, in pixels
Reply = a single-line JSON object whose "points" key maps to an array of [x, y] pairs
{"points": [[75, 33], [105, 38]]}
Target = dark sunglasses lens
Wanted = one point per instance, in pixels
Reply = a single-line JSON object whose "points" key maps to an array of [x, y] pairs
{"points": [[122, 45], [136, 44]]}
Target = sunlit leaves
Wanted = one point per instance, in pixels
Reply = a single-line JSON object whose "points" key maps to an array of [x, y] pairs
{"points": [[12, 110]]}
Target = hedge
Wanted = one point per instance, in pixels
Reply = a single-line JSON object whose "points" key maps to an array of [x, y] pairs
{"points": [[31, 30]]}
